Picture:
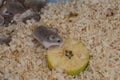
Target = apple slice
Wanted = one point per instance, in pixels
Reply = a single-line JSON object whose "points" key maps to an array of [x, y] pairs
{"points": [[72, 57]]}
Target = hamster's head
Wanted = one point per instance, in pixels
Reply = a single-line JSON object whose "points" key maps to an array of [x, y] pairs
{"points": [[55, 39]]}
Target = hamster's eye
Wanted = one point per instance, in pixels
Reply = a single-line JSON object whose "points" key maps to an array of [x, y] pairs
{"points": [[59, 41]]}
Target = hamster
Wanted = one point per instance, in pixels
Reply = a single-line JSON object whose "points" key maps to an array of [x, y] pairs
{"points": [[20, 17], [47, 37], [1, 2], [35, 17], [1, 20], [27, 15], [36, 5], [15, 7]]}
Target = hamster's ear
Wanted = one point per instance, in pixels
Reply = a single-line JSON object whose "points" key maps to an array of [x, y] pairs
{"points": [[55, 30]]}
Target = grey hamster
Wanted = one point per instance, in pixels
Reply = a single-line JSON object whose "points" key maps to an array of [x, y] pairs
{"points": [[47, 37], [1, 20], [21, 16], [27, 15], [35, 16], [35, 4], [1, 2], [14, 7]]}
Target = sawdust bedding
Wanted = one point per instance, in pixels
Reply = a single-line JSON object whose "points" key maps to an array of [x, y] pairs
{"points": [[96, 23]]}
